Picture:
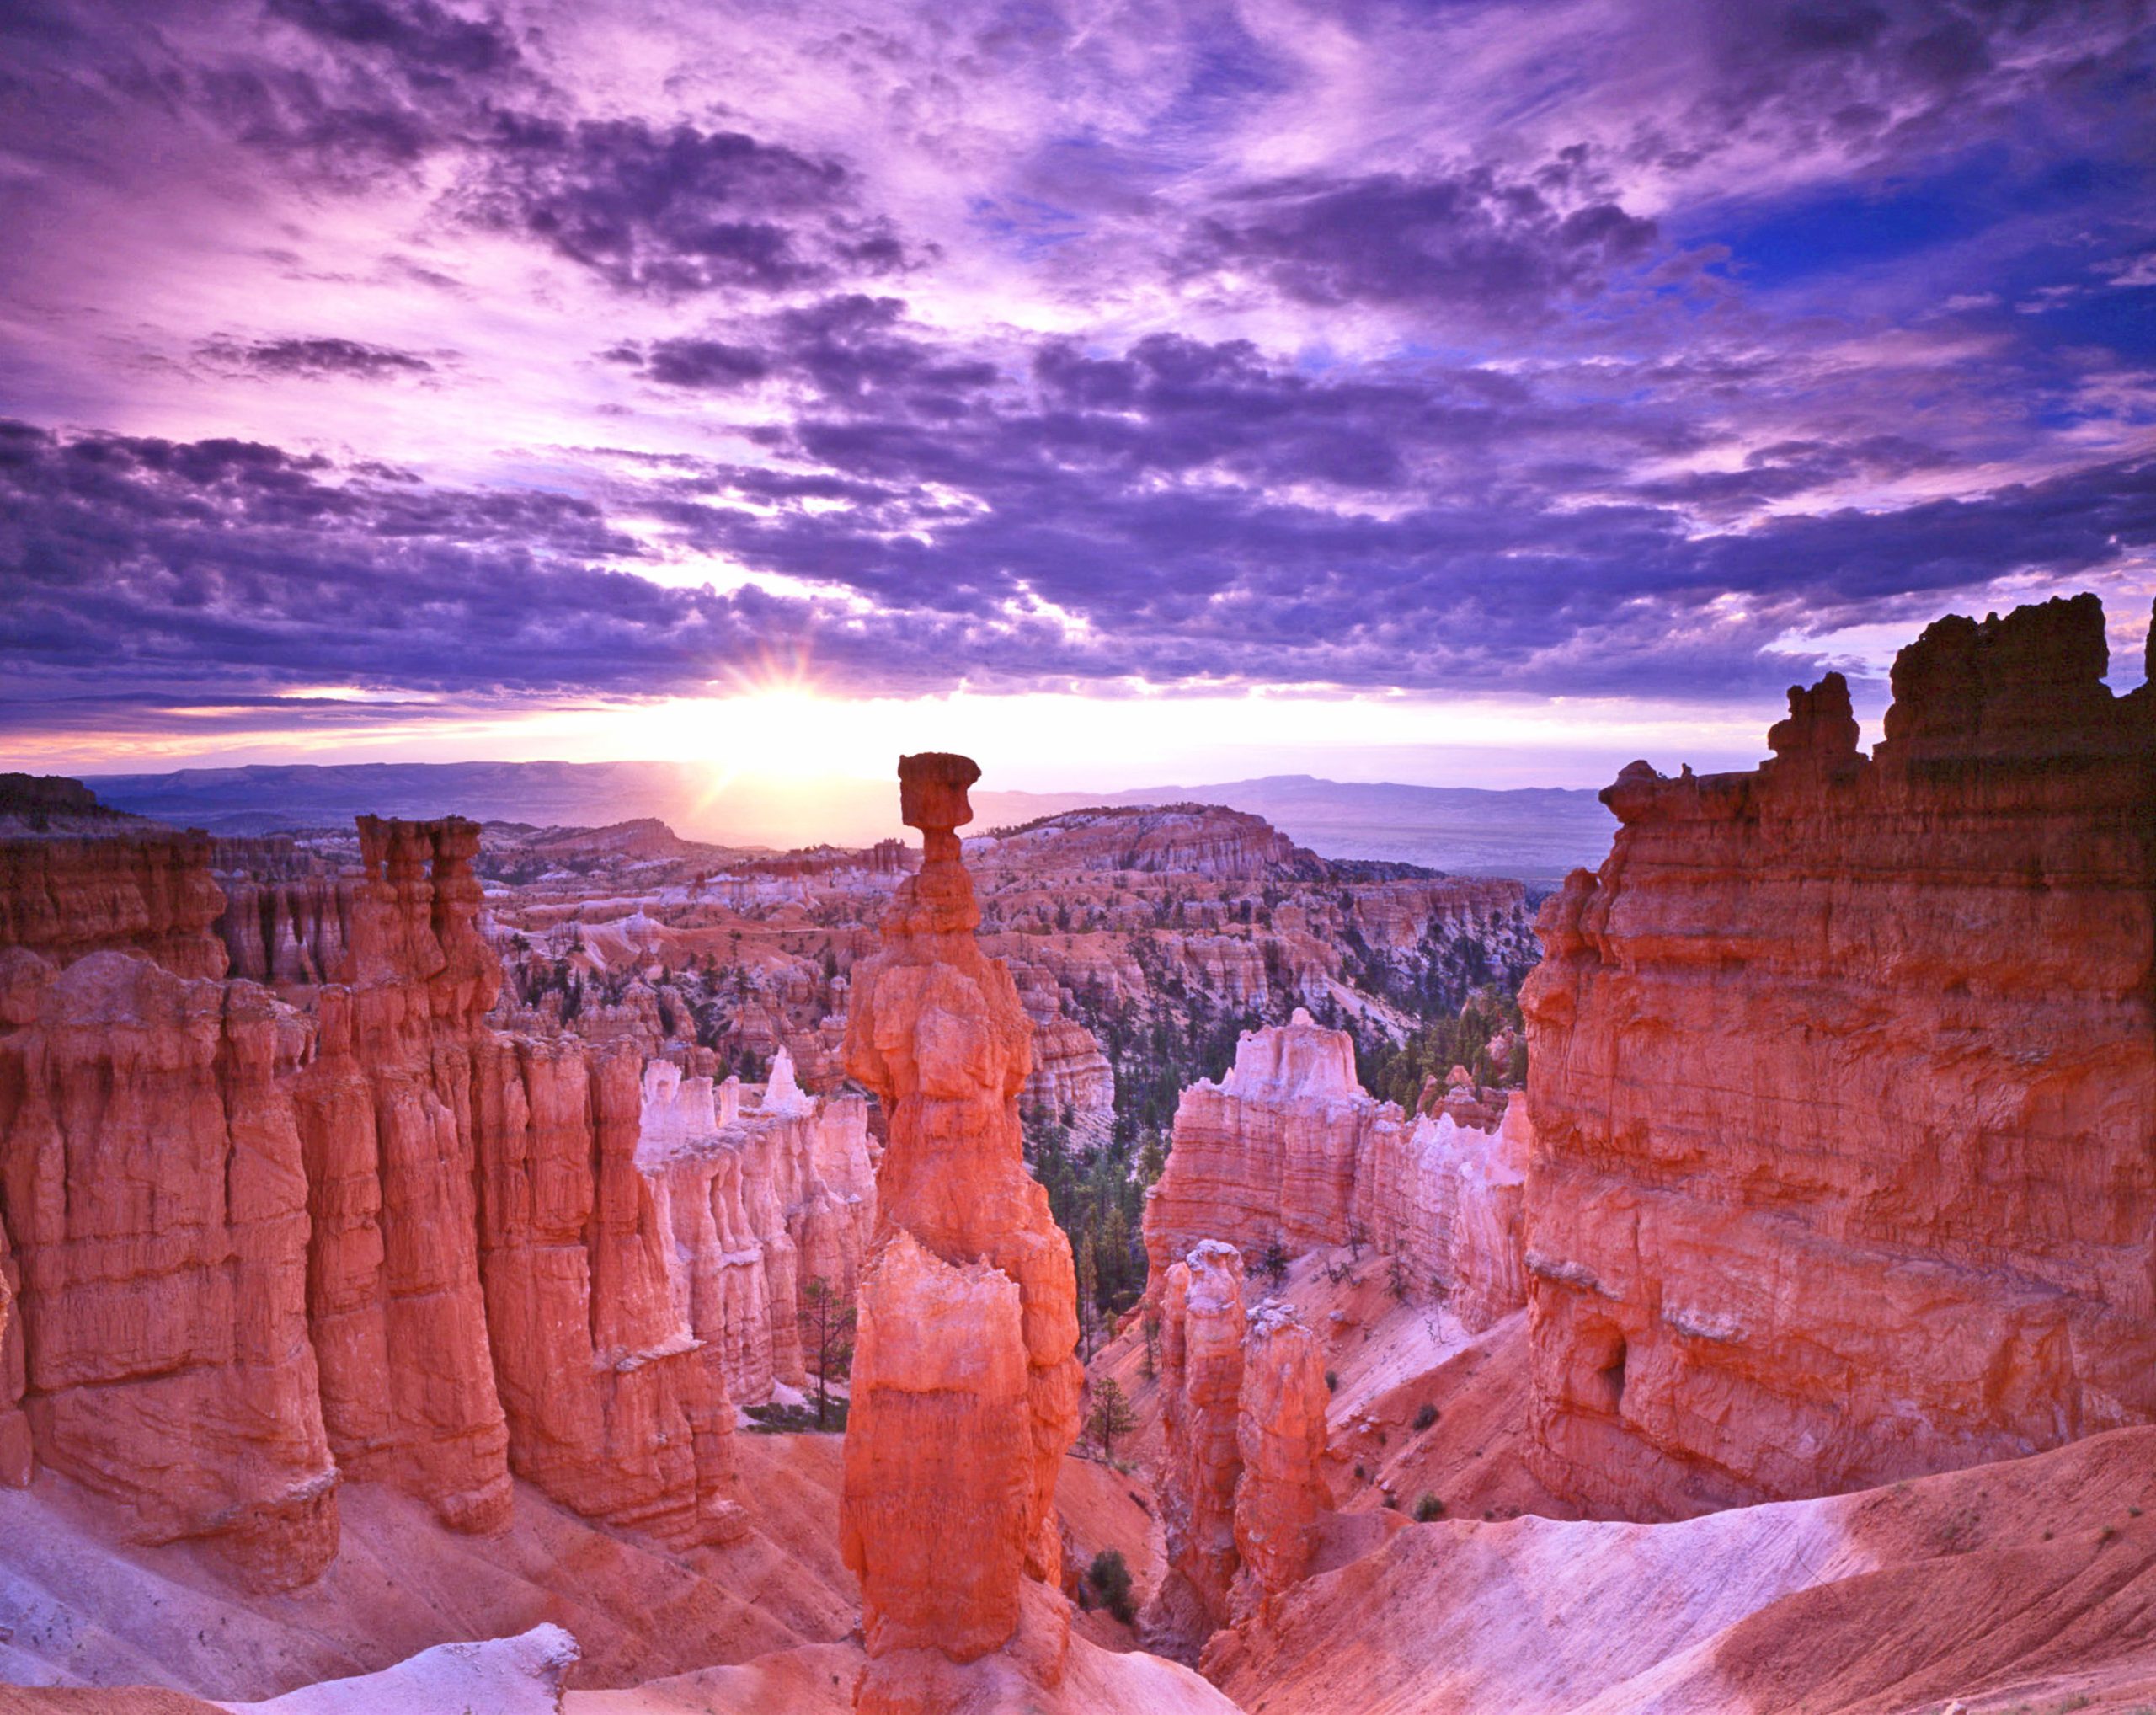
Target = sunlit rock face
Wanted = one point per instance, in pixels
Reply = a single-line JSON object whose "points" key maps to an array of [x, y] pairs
{"points": [[156, 1202], [254, 1249], [385, 1112], [1844, 1083], [965, 1390], [1240, 1476], [1288, 1150]]}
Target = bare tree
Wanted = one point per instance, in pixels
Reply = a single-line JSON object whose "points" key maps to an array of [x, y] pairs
{"points": [[827, 1332]]}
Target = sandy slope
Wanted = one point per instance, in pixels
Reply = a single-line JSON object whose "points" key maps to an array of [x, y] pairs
{"points": [[2031, 1582], [77, 1608]]}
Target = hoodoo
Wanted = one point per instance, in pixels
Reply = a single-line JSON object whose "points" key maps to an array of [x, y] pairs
{"points": [[965, 1387], [965, 1394]]}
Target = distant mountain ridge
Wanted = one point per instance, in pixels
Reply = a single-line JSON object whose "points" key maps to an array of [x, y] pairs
{"points": [[1534, 833]]}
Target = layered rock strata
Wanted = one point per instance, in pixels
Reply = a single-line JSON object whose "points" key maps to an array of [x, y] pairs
{"points": [[155, 1198], [255, 1248], [1844, 1084], [1243, 1400], [1290, 1150], [760, 1198], [143, 890], [1201, 1367], [965, 1391]]}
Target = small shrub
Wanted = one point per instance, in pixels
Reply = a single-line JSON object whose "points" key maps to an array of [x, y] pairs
{"points": [[1332, 1381], [1362, 1473], [1392, 1500], [1429, 1507], [1111, 1577], [1425, 1415]]}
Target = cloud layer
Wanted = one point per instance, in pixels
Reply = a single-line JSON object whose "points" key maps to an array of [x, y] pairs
{"points": [[499, 356]]}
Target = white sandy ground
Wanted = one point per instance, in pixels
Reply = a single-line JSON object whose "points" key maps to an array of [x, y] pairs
{"points": [[520, 1676]]}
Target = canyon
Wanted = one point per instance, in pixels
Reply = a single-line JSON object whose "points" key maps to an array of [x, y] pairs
{"points": [[389, 1249]]}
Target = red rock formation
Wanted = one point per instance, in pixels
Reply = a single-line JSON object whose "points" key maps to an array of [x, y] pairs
{"points": [[1240, 1480], [152, 1186], [1288, 1149], [385, 1115], [1844, 1077], [146, 891], [760, 1197], [16, 1458], [1280, 1439], [1071, 1081], [468, 1228], [1448, 1201], [965, 1392], [614, 1407], [287, 932], [1201, 1365]]}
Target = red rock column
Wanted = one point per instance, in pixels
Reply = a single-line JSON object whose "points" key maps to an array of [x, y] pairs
{"points": [[965, 1391], [399, 1323], [1280, 1435], [1202, 1328]]}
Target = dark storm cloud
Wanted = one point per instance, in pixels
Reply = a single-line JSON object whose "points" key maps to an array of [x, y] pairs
{"points": [[431, 47], [847, 349], [317, 359], [672, 210], [1501, 251]]}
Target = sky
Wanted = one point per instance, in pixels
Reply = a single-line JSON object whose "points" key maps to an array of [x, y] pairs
{"points": [[1459, 392]]}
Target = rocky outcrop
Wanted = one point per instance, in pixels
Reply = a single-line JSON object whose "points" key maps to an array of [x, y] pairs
{"points": [[15, 1456], [1201, 1365], [761, 1193], [1196, 839], [1072, 1083], [145, 891], [1448, 1202], [386, 1113], [1240, 1479], [1280, 1440], [255, 1248], [614, 1407], [153, 1191], [1288, 1150], [1844, 1077], [965, 1391], [285, 932]]}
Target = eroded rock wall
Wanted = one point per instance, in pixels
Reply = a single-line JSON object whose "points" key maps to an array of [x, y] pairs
{"points": [[1290, 1150], [1241, 1477], [1843, 1091], [255, 1248], [147, 890], [154, 1197], [761, 1192]]}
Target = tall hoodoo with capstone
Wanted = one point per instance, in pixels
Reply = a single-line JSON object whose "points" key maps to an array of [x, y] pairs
{"points": [[965, 1390]]}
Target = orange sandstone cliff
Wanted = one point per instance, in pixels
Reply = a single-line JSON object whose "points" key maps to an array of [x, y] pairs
{"points": [[255, 1247], [1844, 1088]]}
